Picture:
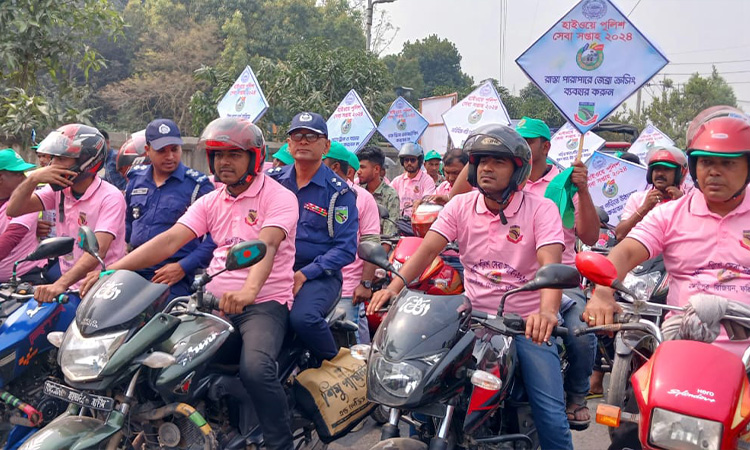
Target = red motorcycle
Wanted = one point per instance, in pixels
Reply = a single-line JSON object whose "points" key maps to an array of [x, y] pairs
{"points": [[439, 278], [689, 394]]}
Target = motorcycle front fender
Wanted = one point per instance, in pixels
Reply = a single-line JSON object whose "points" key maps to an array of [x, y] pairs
{"points": [[69, 432]]}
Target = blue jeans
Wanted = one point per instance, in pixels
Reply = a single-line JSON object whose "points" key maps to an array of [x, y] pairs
{"points": [[581, 352], [356, 314], [542, 381]]}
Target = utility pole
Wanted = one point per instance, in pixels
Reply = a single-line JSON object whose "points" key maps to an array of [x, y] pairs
{"points": [[638, 104], [368, 24]]}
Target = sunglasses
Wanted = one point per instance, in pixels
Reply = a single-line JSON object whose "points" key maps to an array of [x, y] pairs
{"points": [[310, 137], [409, 159]]}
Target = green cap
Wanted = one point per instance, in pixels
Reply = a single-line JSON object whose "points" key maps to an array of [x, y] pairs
{"points": [[432, 154], [338, 151], [12, 161], [283, 155], [718, 154], [533, 128], [354, 161]]}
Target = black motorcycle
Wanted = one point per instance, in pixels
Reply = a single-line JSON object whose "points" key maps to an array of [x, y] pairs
{"points": [[452, 368], [142, 373]]}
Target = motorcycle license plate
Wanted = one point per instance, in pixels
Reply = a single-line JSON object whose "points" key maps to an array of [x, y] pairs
{"points": [[71, 395]]}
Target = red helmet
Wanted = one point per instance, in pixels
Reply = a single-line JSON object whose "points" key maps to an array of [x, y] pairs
{"points": [[83, 143], [234, 133], [725, 135], [667, 155], [133, 151]]}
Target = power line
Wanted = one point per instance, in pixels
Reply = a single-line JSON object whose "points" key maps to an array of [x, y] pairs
{"points": [[708, 62], [636, 5], [693, 73], [710, 50]]}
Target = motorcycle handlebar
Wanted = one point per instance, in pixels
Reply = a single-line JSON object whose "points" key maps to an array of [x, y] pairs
{"points": [[210, 301], [511, 327], [613, 328]]}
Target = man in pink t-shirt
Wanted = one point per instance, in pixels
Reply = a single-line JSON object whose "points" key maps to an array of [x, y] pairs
{"points": [[512, 234], [357, 276], [414, 183], [667, 168], [80, 197], [249, 205], [704, 236], [17, 236]]}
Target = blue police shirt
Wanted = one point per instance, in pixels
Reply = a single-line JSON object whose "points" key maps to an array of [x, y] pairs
{"points": [[111, 174], [153, 210], [328, 220]]}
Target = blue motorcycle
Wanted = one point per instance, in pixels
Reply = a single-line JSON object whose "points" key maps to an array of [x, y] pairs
{"points": [[26, 357]]}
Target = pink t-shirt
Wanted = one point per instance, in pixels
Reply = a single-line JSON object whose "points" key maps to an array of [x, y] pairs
{"points": [[443, 189], [23, 248], [102, 208], [232, 220], [369, 223], [637, 199], [539, 187], [497, 257], [703, 252], [411, 189]]}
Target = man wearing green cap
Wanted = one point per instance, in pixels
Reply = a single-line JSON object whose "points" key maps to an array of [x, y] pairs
{"points": [[357, 286], [432, 162], [17, 235], [282, 157], [581, 349]]}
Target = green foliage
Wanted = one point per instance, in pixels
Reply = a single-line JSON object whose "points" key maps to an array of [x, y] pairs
{"points": [[677, 106], [440, 64], [44, 48]]}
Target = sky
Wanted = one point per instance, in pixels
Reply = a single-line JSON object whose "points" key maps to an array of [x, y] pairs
{"points": [[691, 33]]}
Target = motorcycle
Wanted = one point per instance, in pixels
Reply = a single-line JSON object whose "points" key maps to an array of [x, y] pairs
{"points": [[455, 367], [675, 403], [26, 358], [141, 374]]}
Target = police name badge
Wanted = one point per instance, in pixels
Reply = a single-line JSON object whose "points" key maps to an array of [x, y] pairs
{"points": [[341, 214], [139, 191]]}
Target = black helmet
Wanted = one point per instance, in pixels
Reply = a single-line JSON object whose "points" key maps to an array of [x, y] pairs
{"points": [[499, 141], [83, 143]]}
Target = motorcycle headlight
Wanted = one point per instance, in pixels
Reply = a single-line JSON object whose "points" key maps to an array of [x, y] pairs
{"points": [[83, 359], [673, 431], [643, 285], [399, 379]]}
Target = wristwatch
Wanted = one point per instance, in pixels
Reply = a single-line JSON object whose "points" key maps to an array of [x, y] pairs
{"points": [[366, 283]]}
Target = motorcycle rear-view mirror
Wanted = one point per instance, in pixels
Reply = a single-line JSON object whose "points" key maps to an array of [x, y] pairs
{"points": [[87, 241], [554, 276], [603, 216], [245, 254], [383, 212], [52, 248], [374, 253], [600, 270]]}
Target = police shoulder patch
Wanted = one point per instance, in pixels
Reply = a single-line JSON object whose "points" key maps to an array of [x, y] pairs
{"points": [[196, 176], [341, 214]]}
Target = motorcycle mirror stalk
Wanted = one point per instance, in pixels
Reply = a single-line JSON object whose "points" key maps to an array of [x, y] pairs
{"points": [[374, 253], [551, 276]]}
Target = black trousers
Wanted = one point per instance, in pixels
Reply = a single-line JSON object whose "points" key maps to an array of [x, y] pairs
{"points": [[263, 327]]}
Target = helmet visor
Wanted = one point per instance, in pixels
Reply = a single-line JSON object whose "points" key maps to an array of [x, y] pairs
{"points": [[56, 144], [717, 154], [664, 164]]}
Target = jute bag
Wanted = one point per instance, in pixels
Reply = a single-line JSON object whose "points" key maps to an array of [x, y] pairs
{"points": [[334, 396]]}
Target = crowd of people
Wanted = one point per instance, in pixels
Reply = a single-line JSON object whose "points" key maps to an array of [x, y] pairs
{"points": [[317, 201]]}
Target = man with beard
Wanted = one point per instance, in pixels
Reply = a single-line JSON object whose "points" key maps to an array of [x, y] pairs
{"points": [[667, 167], [414, 183]]}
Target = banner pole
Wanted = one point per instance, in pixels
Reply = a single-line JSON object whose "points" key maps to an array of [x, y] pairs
{"points": [[580, 148]]}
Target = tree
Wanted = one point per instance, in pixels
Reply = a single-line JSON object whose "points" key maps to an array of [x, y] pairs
{"points": [[43, 48], [440, 64], [676, 107], [532, 102], [172, 47]]}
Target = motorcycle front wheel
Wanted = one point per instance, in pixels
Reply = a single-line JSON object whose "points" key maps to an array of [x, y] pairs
{"points": [[620, 393]]}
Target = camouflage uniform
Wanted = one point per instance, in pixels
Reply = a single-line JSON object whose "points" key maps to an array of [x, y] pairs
{"points": [[385, 195]]}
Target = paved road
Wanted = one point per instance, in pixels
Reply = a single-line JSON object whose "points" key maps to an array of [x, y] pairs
{"points": [[595, 438]]}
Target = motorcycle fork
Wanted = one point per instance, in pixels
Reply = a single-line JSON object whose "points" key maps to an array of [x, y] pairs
{"points": [[390, 429], [114, 441], [440, 441]]}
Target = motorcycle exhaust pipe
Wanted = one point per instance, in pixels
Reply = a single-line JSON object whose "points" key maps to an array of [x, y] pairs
{"points": [[34, 416]]}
